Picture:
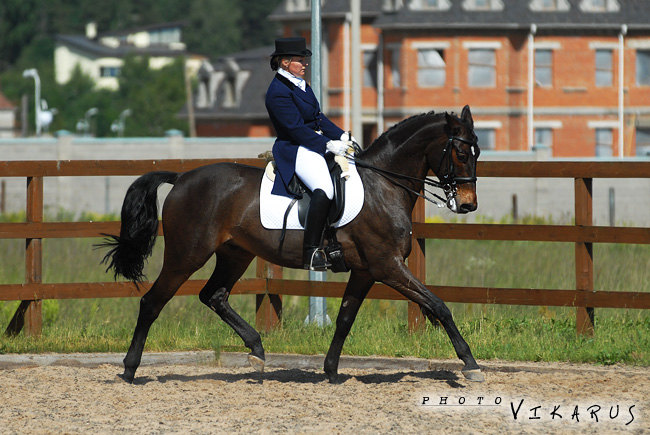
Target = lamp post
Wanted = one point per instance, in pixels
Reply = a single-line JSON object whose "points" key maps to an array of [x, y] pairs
{"points": [[117, 126], [32, 72], [89, 113]]}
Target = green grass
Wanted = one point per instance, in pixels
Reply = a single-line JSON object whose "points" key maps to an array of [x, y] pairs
{"points": [[504, 332]]}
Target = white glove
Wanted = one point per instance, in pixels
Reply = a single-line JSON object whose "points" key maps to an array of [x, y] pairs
{"points": [[347, 137], [337, 147]]}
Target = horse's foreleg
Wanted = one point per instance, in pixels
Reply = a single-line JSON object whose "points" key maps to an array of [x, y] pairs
{"points": [[401, 279], [231, 265], [150, 306], [355, 292]]}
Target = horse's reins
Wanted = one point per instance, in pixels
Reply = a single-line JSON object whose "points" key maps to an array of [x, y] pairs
{"points": [[448, 182]]}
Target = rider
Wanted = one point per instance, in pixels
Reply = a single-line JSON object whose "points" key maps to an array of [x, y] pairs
{"points": [[304, 135]]}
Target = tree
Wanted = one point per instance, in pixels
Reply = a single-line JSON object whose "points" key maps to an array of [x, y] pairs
{"points": [[256, 29], [18, 27], [214, 27], [154, 96]]}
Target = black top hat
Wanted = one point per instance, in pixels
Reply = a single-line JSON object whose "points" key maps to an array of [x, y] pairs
{"points": [[291, 47]]}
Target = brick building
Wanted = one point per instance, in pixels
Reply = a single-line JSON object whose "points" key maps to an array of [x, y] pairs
{"points": [[537, 73]]}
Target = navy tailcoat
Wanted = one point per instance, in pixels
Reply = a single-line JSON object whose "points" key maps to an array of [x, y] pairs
{"points": [[296, 116]]}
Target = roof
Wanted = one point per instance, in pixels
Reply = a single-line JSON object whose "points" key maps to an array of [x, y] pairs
{"points": [[5, 104], [330, 9], [516, 14], [146, 28], [94, 47], [251, 103]]}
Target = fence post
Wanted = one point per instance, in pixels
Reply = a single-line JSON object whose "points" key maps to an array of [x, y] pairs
{"points": [[268, 307], [29, 313], [584, 253], [417, 264]]}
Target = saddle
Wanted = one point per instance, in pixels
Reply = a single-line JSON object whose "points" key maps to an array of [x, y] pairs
{"points": [[302, 196], [300, 191]]}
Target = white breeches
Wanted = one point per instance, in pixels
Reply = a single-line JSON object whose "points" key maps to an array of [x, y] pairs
{"points": [[312, 170]]}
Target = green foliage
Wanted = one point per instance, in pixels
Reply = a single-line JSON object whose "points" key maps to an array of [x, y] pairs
{"points": [[212, 27], [216, 26], [154, 96], [18, 27]]}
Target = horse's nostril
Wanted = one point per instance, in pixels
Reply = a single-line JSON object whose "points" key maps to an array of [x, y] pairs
{"points": [[466, 208]]}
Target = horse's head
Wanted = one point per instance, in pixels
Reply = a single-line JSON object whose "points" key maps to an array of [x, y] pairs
{"points": [[455, 166]]}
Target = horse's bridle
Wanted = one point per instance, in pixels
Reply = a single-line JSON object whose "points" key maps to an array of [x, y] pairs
{"points": [[448, 182]]}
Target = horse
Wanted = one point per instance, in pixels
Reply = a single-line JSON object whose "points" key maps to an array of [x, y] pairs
{"points": [[214, 210]]}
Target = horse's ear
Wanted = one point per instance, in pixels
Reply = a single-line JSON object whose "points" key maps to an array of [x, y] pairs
{"points": [[466, 116]]}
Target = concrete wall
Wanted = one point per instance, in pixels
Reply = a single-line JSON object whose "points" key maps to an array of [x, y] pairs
{"points": [[552, 197]]}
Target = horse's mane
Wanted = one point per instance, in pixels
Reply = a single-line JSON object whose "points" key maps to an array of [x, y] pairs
{"points": [[387, 137]]}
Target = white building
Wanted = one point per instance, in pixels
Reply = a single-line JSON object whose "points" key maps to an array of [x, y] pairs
{"points": [[101, 56]]}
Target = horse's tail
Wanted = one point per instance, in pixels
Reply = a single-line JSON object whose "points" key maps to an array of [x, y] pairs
{"points": [[139, 227]]}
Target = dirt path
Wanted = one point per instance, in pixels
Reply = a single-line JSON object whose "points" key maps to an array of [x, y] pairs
{"points": [[206, 398]]}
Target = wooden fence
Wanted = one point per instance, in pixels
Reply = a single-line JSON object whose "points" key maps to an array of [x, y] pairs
{"points": [[268, 285]]}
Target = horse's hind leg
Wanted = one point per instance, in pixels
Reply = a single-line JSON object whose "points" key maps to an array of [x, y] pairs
{"points": [[150, 306], [401, 279], [231, 264]]}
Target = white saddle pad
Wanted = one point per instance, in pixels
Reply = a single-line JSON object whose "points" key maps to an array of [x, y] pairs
{"points": [[273, 207]]}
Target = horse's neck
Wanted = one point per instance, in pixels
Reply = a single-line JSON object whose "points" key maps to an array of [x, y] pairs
{"points": [[407, 158]]}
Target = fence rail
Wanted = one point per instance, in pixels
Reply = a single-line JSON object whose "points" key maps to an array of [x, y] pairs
{"points": [[268, 286]]}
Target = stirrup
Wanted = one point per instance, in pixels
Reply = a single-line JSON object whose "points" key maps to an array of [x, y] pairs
{"points": [[318, 261]]}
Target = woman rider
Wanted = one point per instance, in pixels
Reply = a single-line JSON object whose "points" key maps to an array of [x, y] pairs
{"points": [[304, 135]]}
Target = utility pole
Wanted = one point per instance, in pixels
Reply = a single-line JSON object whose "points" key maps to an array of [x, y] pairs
{"points": [[317, 305], [357, 126]]}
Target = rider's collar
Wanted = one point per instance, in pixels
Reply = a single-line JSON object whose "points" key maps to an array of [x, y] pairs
{"points": [[293, 79]]}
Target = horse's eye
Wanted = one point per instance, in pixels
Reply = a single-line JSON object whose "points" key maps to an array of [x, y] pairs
{"points": [[461, 156]]}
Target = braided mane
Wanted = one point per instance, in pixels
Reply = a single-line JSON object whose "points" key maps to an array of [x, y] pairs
{"points": [[390, 135]]}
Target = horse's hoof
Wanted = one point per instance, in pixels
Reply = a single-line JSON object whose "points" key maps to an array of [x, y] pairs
{"points": [[256, 362], [474, 375], [128, 378], [336, 380]]}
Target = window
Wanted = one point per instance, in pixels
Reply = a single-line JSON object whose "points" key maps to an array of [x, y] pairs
{"points": [[429, 4], [395, 78], [298, 5], [548, 5], [643, 67], [604, 142], [482, 68], [596, 5], [544, 67], [229, 91], [643, 142], [370, 68], [431, 68], [486, 138], [478, 5], [604, 72], [543, 138], [392, 5], [109, 71]]}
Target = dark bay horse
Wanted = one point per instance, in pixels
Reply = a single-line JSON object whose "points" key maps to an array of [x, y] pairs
{"points": [[214, 209]]}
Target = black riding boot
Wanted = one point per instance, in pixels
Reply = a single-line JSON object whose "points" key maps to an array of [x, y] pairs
{"points": [[313, 256]]}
